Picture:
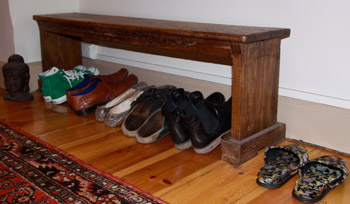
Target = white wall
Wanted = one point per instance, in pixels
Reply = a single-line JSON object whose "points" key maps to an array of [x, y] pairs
{"points": [[313, 60], [6, 35], [26, 31]]}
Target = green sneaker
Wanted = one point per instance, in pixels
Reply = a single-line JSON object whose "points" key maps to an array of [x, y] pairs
{"points": [[44, 86], [56, 81]]}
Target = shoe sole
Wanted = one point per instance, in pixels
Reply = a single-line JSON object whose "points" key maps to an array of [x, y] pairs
{"points": [[184, 146], [47, 98], [59, 100], [150, 139], [147, 140], [211, 146]]}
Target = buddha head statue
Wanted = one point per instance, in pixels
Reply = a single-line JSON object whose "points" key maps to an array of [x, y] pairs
{"points": [[16, 76], [15, 58]]}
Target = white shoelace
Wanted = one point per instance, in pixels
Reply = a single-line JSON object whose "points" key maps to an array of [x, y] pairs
{"points": [[72, 75]]}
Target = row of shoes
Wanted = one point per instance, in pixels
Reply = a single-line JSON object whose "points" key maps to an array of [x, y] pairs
{"points": [[147, 113], [56, 81], [150, 113], [317, 176]]}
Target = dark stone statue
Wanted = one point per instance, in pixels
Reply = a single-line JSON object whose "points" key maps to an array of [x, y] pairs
{"points": [[16, 76], [15, 58]]}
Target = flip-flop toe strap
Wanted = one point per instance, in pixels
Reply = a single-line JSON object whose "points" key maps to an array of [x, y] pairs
{"points": [[299, 151]]}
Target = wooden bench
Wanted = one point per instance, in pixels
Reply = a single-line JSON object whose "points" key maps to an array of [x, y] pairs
{"points": [[253, 52]]}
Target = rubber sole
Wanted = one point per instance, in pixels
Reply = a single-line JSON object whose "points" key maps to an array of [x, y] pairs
{"points": [[211, 146], [183, 146], [152, 138], [59, 100], [47, 98]]}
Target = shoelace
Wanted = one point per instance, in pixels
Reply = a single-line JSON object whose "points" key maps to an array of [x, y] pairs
{"points": [[73, 75]]}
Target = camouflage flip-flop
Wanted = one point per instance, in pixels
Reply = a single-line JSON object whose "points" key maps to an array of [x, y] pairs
{"points": [[318, 177], [281, 164]]}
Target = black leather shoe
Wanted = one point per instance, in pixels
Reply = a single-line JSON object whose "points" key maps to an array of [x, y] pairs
{"points": [[177, 128], [206, 120]]}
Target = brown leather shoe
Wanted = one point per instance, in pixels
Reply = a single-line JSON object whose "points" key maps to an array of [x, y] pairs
{"points": [[99, 93], [89, 79], [119, 75]]}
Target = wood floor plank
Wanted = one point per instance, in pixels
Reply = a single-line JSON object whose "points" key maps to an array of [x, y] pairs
{"points": [[68, 136], [99, 147], [146, 162], [196, 175], [167, 172], [222, 184], [122, 158], [178, 177]]}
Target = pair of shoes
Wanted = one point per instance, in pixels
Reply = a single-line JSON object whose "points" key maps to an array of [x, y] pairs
{"points": [[118, 113], [56, 81], [114, 112], [145, 120], [195, 121], [101, 111], [317, 176], [98, 90]]}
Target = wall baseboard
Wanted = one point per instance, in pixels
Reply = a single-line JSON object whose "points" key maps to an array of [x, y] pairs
{"points": [[317, 98]]}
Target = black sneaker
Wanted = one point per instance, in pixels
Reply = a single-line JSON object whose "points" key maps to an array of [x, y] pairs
{"points": [[178, 131], [206, 120]]}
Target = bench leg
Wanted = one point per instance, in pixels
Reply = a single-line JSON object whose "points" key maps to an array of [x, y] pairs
{"points": [[255, 80], [60, 51]]}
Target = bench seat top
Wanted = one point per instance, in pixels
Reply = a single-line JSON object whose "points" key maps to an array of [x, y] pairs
{"points": [[220, 32]]}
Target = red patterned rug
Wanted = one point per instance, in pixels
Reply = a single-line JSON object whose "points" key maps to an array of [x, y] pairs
{"points": [[32, 171]]}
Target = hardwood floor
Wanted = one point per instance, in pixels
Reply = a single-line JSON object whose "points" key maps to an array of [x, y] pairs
{"points": [[159, 169]]}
